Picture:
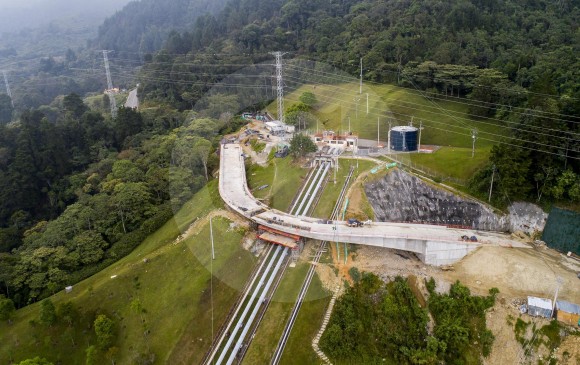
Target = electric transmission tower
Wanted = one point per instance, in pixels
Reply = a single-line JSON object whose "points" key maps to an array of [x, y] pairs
{"points": [[110, 91], [8, 88], [279, 84]]}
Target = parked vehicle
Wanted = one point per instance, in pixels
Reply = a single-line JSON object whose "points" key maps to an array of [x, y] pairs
{"points": [[283, 152], [354, 223]]}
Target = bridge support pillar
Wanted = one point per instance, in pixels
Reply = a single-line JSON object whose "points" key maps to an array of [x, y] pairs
{"points": [[445, 253]]}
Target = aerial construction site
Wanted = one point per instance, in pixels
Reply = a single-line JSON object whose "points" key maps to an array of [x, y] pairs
{"points": [[357, 207]]}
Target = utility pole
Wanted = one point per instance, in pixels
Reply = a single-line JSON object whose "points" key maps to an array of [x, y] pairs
{"points": [[211, 237], [378, 134], [335, 169], [473, 137], [420, 129], [367, 103], [349, 124], [211, 279], [280, 84], [559, 282], [389, 138], [565, 157], [361, 72], [491, 185], [110, 90], [8, 88]]}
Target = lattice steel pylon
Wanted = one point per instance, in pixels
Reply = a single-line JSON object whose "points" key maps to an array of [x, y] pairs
{"points": [[110, 91], [8, 88], [279, 84]]}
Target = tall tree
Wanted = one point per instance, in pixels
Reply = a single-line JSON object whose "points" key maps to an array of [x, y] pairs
{"points": [[300, 145], [47, 312], [105, 331]]}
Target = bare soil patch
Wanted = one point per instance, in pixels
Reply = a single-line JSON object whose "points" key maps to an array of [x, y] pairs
{"points": [[517, 272]]}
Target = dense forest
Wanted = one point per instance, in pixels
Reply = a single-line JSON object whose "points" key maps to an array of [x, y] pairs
{"points": [[142, 26], [82, 192], [80, 189], [378, 323], [514, 62]]}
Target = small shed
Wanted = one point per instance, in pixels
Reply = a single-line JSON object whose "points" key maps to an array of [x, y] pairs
{"points": [[275, 128], [539, 307], [568, 312]]}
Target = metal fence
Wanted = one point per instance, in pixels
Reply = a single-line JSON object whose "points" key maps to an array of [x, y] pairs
{"points": [[562, 231]]}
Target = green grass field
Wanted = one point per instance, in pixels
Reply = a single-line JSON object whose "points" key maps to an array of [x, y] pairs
{"points": [[173, 288], [283, 177], [455, 162]]}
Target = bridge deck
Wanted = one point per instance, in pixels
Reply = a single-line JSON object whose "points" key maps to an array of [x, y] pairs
{"points": [[419, 238]]}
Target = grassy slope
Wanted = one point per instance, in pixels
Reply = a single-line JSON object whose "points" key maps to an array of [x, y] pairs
{"points": [[299, 348], [283, 178], [445, 121], [455, 162], [173, 284]]}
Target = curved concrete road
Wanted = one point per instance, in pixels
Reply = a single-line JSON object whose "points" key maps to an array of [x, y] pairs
{"points": [[435, 245]]}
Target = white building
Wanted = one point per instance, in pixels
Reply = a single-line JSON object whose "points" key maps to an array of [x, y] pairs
{"points": [[539, 307]]}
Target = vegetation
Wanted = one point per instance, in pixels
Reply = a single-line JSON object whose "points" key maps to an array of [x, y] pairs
{"points": [[7, 308], [82, 193], [283, 178], [549, 336], [462, 66], [301, 145], [257, 146], [132, 299], [374, 322], [80, 190], [451, 162]]}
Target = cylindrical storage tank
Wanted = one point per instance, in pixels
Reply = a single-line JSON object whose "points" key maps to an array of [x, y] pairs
{"points": [[404, 138]]}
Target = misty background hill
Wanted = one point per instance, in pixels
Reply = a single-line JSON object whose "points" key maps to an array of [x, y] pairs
{"points": [[30, 14], [144, 26]]}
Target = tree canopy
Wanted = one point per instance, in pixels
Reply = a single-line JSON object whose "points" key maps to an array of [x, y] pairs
{"points": [[301, 144]]}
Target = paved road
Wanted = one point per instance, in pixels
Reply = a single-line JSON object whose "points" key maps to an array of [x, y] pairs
{"points": [[132, 100]]}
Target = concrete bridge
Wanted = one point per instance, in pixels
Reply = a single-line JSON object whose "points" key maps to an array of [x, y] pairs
{"points": [[435, 245]]}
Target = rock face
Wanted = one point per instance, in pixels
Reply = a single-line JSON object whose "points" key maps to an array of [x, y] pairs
{"points": [[402, 197], [526, 217]]}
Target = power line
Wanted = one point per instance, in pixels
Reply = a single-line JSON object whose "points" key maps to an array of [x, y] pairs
{"points": [[491, 87], [464, 101], [280, 84], [110, 91], [347, 101], [469, 135]]}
